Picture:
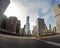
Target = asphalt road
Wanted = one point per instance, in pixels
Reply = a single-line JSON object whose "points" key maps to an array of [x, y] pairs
{"points": [[53, 39], [8, 42]]}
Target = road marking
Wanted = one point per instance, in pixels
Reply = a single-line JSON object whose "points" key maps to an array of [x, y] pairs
{"points": [[49, 42]]}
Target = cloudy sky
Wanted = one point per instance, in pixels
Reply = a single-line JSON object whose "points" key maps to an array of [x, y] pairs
{"points": [[33, 8]]}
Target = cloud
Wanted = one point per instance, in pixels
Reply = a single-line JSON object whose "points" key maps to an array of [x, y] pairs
{"points": [[34, 9]]}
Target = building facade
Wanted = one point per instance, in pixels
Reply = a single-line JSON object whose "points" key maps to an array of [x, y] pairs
{"points": [[54, 29], [56, 11], [27, 26], [3, 22], [24, 29], [18, 27], [34, 31], [11, 24], [3, 6], [40, 26], [50, 28]]}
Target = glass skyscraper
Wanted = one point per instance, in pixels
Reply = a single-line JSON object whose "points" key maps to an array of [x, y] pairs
{"points": [[27, 26]]}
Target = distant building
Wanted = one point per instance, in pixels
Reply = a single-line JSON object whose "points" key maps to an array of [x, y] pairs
{"points": [[24, 29], [11, 24], [40, 26], [18, 27], [50, 29], [34, 31], [54, 29], [56, 10], [27, 26]]}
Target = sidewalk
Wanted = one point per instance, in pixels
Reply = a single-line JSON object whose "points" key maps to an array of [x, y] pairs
{"points": [[9, 36], [49, 36]]}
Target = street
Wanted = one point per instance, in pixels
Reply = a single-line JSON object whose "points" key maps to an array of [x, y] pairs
{"points": [[53, 39], [8, 42]]}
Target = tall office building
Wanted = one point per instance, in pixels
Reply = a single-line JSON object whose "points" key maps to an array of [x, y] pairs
{"points": [[40, 26], [34, 31], [18, 27], [3, 6], [24, 29], [50, 29], [56, 11], [54, 29], [27, 26], [3, 23], [11, 24]]}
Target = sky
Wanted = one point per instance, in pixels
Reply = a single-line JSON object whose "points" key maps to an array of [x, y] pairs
{"points": [[33, 8]]}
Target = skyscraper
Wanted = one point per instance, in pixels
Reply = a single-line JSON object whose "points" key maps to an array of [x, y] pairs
{"points": [[50, 29], [27, 26], [34, 31], [18, 27], [24, 29], [54, 29], [3, 6], [40, 26], [11, 24], [56, 10]]}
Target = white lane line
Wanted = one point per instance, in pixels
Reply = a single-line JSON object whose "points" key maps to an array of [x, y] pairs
{"points": [[49, 42]]}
